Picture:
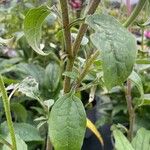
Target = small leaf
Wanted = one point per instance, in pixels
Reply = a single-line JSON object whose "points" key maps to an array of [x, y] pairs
{"points": [[32, 26], [67, 123], [93, 128], [42, 118], [52, 76], [147, 23], [49, 103], [21, 145], [135, 78], [142, 140], [19, 111], [72, 75], [26, 131], [146, 100], [117, 46], [121, 142], [41, 124], [29, 87]]}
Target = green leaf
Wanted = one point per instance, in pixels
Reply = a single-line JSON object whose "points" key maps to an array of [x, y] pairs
{"points": [[21, 145], [71, 74], [142, 140], [26, 131], [29, 87], [147, 23], [52, 76], [67, 123], [49, 103], [32, 26], [121, 142], [19, 111], [135, 78], [117, 46], [146, 99], [33, 70]]}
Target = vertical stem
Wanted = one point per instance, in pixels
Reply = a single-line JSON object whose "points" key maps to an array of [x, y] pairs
{"points": [[135, 13], [48, 142], [130, 110], [142, 44], [86, 68], [67, 38], [128, 4], [6, 104], [67, 80], [65, 21], [83, 27]]}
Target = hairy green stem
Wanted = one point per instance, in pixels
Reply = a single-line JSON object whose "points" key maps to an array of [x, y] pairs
{"points": [[67, 37], [65, 21], [67, 80], [130, 110], [83, 27], [135, 13], [6, 104], [142, 42], [86, 68]]}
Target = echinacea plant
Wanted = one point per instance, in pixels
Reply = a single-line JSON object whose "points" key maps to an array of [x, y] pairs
{"points": [[112, 45]]}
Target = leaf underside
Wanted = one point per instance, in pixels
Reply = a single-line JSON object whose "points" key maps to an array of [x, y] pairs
{"points": [[32, 27]]}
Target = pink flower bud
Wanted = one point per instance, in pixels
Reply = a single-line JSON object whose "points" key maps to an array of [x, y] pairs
{"points": [[75, 4], [147, 34]]}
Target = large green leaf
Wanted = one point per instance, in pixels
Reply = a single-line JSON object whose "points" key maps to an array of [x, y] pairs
{"points": [[117, 45], [26, 131], [121, 142], [32, 26], [142, 140], [67, 123], [21, 145]]}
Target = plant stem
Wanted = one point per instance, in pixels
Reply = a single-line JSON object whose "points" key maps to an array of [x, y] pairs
{"points": [[65, 21], [128, 4], [6, 104], [135, 13], [67, 37], [142, 42], [83, 27], [130, 110], [76, 45], [48, 142], [86, 68]]}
